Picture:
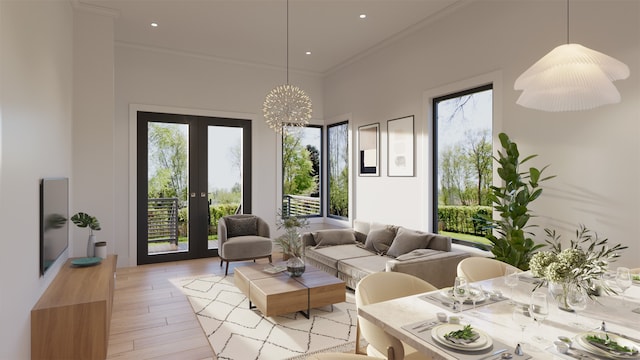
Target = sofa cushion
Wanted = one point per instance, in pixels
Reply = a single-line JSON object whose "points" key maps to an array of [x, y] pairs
{"points": [[354, 269], [408, 240], [379, 240], [334, 237], [241, 226], [329, 256]]}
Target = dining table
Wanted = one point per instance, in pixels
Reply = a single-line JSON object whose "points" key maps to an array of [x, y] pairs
{"points": [[414, 320]]}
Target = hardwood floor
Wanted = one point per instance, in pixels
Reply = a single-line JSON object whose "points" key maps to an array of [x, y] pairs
{"points": [[152, 319]]}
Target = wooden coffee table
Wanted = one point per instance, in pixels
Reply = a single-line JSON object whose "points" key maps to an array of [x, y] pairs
{"points": [[279, 293]]}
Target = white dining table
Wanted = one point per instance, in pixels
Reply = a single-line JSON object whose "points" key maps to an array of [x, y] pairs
{"points": [[495, 318]]}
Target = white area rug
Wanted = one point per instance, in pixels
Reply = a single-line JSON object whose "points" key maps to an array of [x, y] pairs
{"points": [[236, 332]]}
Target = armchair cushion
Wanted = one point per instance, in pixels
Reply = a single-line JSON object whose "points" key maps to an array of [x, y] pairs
{"points": [[408, 240], [334, 237], [241, 226]]}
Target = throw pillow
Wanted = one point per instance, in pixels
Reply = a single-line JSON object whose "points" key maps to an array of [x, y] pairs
{"points": [[380, 239], [334, 237], [408, 240], [241, 226]]}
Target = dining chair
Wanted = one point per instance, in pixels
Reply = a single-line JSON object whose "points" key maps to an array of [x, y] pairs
{"points": [[243, 237], [382, 286], [478, 268]]}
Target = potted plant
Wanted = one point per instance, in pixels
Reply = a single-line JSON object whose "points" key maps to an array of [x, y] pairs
{"points": [[291, 242], [83, 220], [512, 243]]}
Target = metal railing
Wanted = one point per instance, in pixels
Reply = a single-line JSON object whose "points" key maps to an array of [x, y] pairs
{"points": [[296, 205], [162, 220]]}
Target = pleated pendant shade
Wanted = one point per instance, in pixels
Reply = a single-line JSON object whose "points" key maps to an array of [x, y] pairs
{"points": [[570, 78]]}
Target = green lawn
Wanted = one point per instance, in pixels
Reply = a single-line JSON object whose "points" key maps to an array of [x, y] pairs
{"points": [[467, 237]]}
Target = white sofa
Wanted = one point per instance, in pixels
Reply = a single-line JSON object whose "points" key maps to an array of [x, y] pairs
{"points": [[351, 254]]}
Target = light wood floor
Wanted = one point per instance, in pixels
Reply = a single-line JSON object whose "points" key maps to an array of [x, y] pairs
{"points": [[152, 319]]}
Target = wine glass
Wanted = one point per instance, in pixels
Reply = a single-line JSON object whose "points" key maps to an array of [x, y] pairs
{"points": [[521, 317], [511, 280], [476, 293], [539, 310], [461, 290], [623, 280], [577, 301]]}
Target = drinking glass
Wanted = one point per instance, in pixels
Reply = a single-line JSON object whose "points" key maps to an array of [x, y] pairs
{"points": [[461, 290], [521, 317], [623, 280], [476, 293], [539, 310], [511, 280], [577, 301]]}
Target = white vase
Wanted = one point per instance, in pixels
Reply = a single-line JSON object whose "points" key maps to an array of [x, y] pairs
{"points": [[91, 245]]}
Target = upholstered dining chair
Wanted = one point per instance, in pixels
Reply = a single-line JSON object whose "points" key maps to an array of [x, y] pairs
{"points": [[243, 237], [340, 356], [382, 286], [477, 268]]}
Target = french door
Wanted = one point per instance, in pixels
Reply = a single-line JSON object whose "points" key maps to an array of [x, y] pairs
{"points": [[192, 170]]}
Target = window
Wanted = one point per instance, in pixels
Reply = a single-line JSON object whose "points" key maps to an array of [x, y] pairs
{"points": [[338, 170], [301, 164], [463, 163]]}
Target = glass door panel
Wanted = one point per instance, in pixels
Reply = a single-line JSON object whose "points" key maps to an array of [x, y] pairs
{"points": [[224, 176], [167, 189]]}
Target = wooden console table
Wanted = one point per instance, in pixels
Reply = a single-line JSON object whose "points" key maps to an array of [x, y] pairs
{"points": [[71, 319]]}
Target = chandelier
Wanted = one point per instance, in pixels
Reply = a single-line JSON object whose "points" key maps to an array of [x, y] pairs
{"points": [[569, 78], [286, 105]]}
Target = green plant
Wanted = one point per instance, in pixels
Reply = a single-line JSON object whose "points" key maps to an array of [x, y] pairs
{"points": [[85, 220], [582, 263], [290, 241], [511, 241]]}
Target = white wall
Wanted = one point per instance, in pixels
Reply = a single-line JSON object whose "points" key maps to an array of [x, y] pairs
{"points": [[197, 84], [35, 142], [594, 153]]}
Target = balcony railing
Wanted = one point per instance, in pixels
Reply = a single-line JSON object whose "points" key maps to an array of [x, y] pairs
{"points": [[296, 205]]}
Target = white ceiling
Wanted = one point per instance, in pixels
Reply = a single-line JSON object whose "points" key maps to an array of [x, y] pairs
{"points": [[254, 31]]}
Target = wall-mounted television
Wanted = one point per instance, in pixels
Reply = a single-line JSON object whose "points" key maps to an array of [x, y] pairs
{"points": [[54, 224]]}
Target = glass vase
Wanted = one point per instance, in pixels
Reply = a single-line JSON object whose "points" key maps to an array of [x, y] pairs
{"points": [[295, 262], [559, 292]]}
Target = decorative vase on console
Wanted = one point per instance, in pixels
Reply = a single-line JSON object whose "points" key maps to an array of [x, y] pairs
{"points": [[85, 220], [291, 242]]}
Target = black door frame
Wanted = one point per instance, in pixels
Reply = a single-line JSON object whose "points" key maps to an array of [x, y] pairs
{"points": [[198, 174]]}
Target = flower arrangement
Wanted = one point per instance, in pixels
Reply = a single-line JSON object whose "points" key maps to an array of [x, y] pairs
{"points": [[582, 264], [290, 240]]}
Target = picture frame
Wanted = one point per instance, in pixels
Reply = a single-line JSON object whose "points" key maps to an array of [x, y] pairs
{"points": [[369, 150], [400, 147]]}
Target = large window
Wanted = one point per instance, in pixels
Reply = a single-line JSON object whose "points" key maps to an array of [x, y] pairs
{"points": [[338, 170], [463, 163], [301, 177]]}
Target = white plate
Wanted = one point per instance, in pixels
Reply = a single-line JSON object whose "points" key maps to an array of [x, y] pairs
{"points": [[438, 333], [448, 294], [582, 341]]}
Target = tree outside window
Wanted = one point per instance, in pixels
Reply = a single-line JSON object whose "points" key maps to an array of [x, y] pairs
{"points": [[338, 168]]}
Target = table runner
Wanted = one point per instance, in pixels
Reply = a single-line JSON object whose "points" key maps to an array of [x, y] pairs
{"points": [[424, 333]]}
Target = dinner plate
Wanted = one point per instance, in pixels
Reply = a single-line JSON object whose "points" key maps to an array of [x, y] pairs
{"points": [[86, 261], [582, 341], [483, 342], [448, 294]]}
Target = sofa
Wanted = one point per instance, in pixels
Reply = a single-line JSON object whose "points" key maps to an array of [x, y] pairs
{"points": [[352, 253]]}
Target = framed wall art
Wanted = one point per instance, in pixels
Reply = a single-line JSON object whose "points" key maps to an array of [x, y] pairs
{"points": [[369, 149], [400, 143]]}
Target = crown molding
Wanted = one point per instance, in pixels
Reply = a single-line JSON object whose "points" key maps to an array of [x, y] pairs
{"points": [[100, 10]]}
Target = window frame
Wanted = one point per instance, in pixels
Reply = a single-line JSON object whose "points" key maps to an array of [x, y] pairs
{"points": [[469, 89], [328, 175]]}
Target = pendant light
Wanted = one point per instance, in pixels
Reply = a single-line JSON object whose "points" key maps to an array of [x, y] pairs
{"points": [[570, 78], [286, 105]]}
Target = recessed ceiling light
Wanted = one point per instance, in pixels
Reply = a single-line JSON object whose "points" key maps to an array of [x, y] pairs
{"points": [[154, 24], [363, 16], [308, 52]]}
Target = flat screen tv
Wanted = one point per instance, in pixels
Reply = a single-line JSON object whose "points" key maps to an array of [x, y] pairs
{"points": [[54, 224]]}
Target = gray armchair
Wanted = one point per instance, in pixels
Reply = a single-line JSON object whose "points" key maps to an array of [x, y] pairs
{"points": [[243, 237]]}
